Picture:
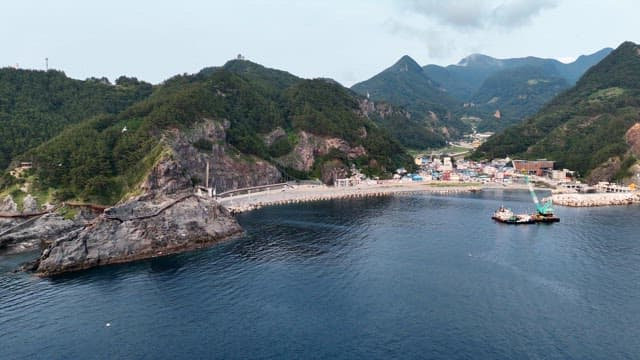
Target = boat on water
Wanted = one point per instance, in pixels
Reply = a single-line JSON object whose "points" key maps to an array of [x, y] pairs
{"points": [[545, 218], [544, 212], [505, 215]]}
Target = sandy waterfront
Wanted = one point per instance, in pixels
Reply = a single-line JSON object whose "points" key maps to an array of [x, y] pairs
{"points": [[305, 193]]}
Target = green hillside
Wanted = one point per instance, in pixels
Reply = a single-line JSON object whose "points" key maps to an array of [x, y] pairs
{"points": [[465, 79], [585, 126], [516, 93], [95, 160], [440, 98], [405, 84], [37, 105]]}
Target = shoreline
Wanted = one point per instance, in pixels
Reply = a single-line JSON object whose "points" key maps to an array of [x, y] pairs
{"points": [[597, 199], [308, 193]]}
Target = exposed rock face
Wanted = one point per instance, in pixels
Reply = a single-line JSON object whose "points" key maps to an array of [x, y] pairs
{"points": [[29, 204], [605, 171], [167, 218], [24, 235], [8, 205], [310, 146], [137, 230], [276, 134], [633, 139], [332, 170], [227, 169]]}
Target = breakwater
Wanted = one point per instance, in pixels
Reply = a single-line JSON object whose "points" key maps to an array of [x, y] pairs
{"points": [[301, 194], [600, 199]]}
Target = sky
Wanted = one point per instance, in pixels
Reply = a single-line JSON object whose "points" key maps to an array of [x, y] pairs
{"points": [[347, 40]]}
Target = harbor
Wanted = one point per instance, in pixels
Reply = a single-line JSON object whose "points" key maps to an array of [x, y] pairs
{"points": [[306, 193]]}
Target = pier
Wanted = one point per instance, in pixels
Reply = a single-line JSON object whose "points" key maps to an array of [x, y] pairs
{"points": [[308, 193]]}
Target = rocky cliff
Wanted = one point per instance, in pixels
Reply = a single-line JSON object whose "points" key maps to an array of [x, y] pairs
{"points": [[309, 147], [19, 234], [166, 218], [228, 169], [138, 230]]}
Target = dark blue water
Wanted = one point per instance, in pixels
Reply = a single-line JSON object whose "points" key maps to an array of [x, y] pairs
{"points": [[415, 276]]}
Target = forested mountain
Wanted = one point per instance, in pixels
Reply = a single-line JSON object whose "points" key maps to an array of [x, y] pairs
{"points": [[464, 80], [513, 94], [406, 84], [251, 115], [589, 128], [37, 105], [450, 100]]}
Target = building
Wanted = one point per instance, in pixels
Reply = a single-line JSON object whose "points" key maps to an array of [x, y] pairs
{"points": [[535, 167]]}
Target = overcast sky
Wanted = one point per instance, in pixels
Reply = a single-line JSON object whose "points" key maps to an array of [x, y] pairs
{"points": [[347, 40]]}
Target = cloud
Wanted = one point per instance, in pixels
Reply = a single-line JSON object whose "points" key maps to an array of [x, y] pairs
{"points": [[442, 24], [516, 13], [460, 13], [477, 14], [438, 44]]}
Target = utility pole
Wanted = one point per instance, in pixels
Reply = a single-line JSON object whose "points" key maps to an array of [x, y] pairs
{"points": [[46, 64], [206, 181]]}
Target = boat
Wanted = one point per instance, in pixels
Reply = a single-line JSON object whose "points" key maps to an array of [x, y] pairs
{"points": [[505, 215], [545, 218], [544, 212]]}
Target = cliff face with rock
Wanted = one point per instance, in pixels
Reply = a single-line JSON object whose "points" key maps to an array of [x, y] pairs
{"points": [[138, 230], [17, 235], [310, 147], [168, 218], [228, 169]]}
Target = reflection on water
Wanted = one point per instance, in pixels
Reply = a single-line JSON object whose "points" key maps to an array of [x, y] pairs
{"points": [[414, 276]]}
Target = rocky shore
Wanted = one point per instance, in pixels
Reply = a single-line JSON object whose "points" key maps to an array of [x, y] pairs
{"points": [[158, 224], [138, 230]]}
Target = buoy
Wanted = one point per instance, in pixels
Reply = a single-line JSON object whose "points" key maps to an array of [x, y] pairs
{"points": [[107, 324]]}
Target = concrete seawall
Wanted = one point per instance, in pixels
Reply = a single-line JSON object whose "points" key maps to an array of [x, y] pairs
{"points": [[299, 194], [601, 199]]}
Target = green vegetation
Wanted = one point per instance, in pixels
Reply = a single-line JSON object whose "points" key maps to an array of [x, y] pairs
{"points": [[585, 126], [517, 93], [406, 85], [37, 105], [67, 212], [93, 158]]}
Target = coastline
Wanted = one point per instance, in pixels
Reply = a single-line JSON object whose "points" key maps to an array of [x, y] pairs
{"points": [[307, 193], [598, 199]]}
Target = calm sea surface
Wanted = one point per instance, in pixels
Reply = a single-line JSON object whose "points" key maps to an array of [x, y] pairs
{"points": [[416, 276]]}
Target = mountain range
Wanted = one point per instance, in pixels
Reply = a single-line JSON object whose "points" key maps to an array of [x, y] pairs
{"points": [[99, 142], [96, 141], [593, 128], [457, 98]]}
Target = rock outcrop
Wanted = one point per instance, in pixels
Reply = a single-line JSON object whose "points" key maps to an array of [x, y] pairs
{"points": [[137, 230], [19, 234], [632, 138], [8, 205], [228, 169], [29, 204], [310, 147], [166, 218]]}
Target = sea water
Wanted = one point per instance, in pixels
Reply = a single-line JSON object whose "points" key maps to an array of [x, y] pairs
{"points": [[411, 276]]}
